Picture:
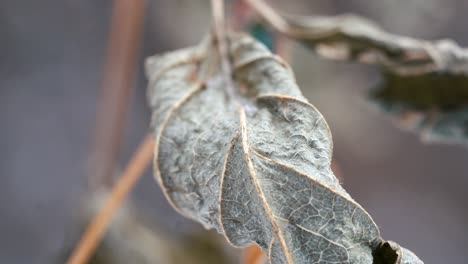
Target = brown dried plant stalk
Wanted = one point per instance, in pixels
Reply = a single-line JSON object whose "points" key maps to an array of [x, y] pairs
{"points": [[96, 229]]}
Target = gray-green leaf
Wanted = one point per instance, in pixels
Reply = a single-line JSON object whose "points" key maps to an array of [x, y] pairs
{"points": [[253, 160]]}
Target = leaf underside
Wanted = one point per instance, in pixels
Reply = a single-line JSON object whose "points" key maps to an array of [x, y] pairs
{"points": [[253, 160]]}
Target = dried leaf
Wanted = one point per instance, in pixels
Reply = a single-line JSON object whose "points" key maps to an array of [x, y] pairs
{"points": [[425, 84], [253, 161], [354, 38]]}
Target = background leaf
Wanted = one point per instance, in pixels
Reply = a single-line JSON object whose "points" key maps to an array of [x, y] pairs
{"points": [[434, 104]]}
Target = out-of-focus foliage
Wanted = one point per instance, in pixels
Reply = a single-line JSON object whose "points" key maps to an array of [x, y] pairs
{"points": [[433, 104]]}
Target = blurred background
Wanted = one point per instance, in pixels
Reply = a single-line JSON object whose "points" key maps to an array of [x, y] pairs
{"points": [[52, 56]]}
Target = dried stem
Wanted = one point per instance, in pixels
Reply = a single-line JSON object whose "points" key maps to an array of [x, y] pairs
{"points": [[221, 40], [117, 86], [220, 29], [96, 229]]}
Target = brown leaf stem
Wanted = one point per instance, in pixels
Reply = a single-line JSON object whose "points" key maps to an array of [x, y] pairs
{"points": [[96, 229], [116, 89]]}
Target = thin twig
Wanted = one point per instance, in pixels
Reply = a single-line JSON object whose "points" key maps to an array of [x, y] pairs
{"points": [[219, 25], [117, 86], [96, 229]]}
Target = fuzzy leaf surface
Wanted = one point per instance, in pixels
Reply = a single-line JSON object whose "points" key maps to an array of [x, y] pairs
{"points": [[253, 160]]}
